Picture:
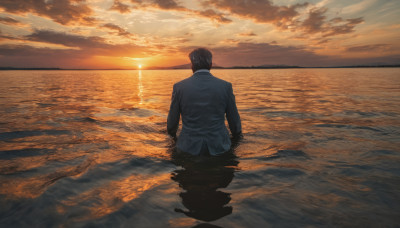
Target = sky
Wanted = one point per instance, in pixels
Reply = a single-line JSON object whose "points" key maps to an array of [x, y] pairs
{"points": [[104, 34]]}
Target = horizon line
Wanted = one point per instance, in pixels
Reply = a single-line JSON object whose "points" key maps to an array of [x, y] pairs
{"points": [[218, 68]]}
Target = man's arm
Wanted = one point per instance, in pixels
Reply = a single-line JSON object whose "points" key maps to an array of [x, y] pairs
{"points": [[173, 115], [232, 114]]}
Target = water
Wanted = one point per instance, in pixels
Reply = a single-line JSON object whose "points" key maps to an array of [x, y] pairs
{"points": [[89, 149]]}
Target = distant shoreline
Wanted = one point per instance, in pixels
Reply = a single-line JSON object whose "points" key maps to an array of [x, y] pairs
{"points": [[185, 68]]}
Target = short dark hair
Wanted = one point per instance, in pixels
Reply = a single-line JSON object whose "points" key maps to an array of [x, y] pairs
{"points": [[201, 58]]}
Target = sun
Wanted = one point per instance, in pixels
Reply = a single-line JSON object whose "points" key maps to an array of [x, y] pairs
{"points": [[140, 66]]}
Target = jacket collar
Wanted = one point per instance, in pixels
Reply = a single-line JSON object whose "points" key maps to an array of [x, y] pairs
{"points": [[202, 73], [202, 70]]}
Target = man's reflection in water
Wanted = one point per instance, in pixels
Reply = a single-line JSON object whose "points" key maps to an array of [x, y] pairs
{"points": [[200, 178]]}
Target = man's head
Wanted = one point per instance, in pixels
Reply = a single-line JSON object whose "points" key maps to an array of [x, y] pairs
{"points": [[201, 58]]}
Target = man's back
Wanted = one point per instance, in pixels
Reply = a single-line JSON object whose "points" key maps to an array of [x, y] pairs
{"points": [[203, 100]]}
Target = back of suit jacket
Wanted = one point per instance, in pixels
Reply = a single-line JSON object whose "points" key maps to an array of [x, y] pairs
{"points": [[203, 101]]}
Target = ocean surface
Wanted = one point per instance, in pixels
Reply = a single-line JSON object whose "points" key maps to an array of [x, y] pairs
{"points": [[321, 148]]}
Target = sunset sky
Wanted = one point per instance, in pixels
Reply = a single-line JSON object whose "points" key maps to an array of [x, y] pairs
{"points": [[160, 33]]}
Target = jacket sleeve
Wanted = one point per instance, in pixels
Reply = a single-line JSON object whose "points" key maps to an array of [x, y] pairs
{"points": [[174, 114], [232, 114]]}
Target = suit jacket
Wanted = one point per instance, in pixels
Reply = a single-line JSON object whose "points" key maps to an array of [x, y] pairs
{"points": [[203, 101]]}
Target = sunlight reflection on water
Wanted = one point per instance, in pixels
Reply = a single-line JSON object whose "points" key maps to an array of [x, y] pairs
{"points": [[140, 88], [82, 148]]}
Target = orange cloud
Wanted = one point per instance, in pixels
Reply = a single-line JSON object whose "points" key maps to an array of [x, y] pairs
{"points": [[316, 23], [315, 20], [61, 11], [92, 45], [248, 34], [9, 21], [81, 48], [286, 17], [171, 5], [211, 14], [161, 4], [369, 48], [119, 30], [347, 26], [260, 11], [246, 54], [121, 7]]}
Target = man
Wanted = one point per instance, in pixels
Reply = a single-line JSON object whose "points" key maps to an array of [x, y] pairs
{"points": [[203, 100]]}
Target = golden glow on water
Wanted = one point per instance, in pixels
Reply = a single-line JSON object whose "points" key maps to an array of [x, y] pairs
{"points": [[91, 147], [140, 86], [112, 196]]}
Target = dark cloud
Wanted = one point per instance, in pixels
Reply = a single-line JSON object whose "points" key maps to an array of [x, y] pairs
{"points": [[92, 45], [173, 5], [61, 11], [26, 50], [167, 4], [369, 48], [28, 56], [247, 54], [344, 27], [121, 7], [263, 11], [322, 41], [248, 34], [120, 31], [286, 17], [160, 4], [211, 14], [5, 37], [315, 20], [9, 21], [316, 23], [48, 36], [78, 49]]}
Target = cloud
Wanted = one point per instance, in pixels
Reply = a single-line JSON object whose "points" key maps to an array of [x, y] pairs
{"points": [[173, 5], [167, 4], [248, 54], [287, 17], [248, 34], [243, 54], [92, 45], [341, 26], [356, 7], [119, 30], [9, 21], [316, 23], [5, 37], [26, 50], [48, 36], [28, 56], [61, 11], [121, 7], [160, 4], [211, 14], [315, 20], [259, 10], [369, 48], [74, 51]]}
